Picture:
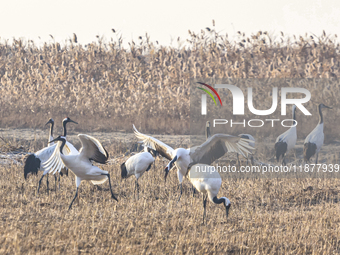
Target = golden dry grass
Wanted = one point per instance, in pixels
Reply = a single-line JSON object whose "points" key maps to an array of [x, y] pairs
{"points": [[109, 86], [106, 87], [282, 216]]}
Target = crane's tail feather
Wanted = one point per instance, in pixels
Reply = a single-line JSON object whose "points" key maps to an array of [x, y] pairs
{"points": [[309, 149], [280, 149], [123, 171], [32, 165], [99, 181]]}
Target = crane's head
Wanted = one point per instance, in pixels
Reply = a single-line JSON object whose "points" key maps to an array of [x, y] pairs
{"points": [[59, 138], [153, 152], [50, 121], [67, 119], [324, 106], [227, 205], [169, 166]]}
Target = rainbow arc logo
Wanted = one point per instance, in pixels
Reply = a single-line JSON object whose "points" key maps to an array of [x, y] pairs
{"points": [[209, 93], [239, 101]]}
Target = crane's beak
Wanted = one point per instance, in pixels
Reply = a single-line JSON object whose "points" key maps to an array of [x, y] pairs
{"points": [[328, 107], [54, 140], [227, 210], [72, 121], [49, 122]]}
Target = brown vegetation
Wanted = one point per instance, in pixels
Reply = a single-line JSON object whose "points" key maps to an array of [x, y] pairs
{"points": [[287, 216], [109, 87], [106, 87]]}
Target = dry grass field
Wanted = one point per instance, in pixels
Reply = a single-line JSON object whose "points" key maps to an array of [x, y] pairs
{"points": [[281, 216], [107, 88]]}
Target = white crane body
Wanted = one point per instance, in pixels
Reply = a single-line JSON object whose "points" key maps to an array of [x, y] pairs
{"points": [[314, 141], [80, 164], [207, 181]]}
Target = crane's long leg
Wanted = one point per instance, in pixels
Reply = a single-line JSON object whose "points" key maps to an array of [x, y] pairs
{"points": [[40, 182], [180, 179], [137, 188], [75, 196], [55, 183], [180, 185], [113, 196], [78, 181], [204, 205], [238, 160], [47, 183], [59, 181], [317, 156], [193, 190], [134, 190]]}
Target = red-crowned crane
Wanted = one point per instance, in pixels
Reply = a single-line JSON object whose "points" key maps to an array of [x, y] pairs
{"points": [[34, 161], [245, 136], [213, 148], [80, 164], [286, 141], [315, 139], [207, 181], [137, 165]]}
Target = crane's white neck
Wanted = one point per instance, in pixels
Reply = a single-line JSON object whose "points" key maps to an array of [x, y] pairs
{"points": [[51, 134], [293, 112], [294, 118]]}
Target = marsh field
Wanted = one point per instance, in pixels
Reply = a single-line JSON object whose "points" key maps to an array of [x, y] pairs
{"points": [[106, 88], [268, 215]]}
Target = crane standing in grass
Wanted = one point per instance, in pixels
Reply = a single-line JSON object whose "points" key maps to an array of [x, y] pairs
{"points": [[315, 139], [214, 148], [137, 165], [80, 164], [207, 181], [286, 141], [35, 160]]}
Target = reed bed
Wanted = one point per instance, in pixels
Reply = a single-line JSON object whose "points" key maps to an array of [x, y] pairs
{"points": [[106, 87], [110, 87]]}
